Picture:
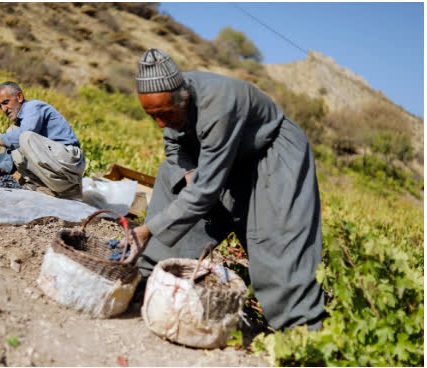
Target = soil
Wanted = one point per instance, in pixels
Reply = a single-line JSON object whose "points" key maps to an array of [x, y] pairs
{"points": [[36, 331]]}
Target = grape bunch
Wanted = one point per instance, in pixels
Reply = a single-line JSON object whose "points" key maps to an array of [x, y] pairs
{"points": [[8, 181], [116, 251]]}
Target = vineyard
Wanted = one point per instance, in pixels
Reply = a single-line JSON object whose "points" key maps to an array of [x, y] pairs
{"points": [[373, 230]]}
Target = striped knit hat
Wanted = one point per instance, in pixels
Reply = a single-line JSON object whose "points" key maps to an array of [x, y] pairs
{"points": [[157, 72]]}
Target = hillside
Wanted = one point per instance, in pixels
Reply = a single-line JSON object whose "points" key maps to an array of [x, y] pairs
{"points": [[88, 43], [320, 76], [67, 45]]}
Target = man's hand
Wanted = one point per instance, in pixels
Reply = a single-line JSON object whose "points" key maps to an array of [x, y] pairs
{"points": [[138, 240]]}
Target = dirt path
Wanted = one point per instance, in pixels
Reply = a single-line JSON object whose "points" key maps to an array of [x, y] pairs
{"points": [[52, 335]]}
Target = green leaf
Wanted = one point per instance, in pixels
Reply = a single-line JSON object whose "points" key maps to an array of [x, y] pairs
{"points": [[385, 334], [320, 273], [13, 341], [236, 338], [401, 348]]}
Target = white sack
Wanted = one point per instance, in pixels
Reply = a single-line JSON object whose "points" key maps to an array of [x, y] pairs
{"points": [[173, 307]]}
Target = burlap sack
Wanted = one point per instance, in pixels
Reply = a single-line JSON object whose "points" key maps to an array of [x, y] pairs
{"points": [[185, 302]]}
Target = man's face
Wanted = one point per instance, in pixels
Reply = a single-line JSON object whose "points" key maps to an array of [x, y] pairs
{"points": [[11, 103], [161, 107]]}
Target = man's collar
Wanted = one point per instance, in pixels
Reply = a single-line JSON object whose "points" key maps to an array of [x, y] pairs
{"points": [[18, 117]]}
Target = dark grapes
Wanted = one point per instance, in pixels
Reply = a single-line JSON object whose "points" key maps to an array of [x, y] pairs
{"points": [[8, 181]]}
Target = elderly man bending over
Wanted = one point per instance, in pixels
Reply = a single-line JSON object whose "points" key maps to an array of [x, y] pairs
{"points": [[43, 146], [234, 162]]}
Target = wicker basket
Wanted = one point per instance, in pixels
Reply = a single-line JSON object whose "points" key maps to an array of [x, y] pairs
{"points": [[76, 273], [186, 302]]}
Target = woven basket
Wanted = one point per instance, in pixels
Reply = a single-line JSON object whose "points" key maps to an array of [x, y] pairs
{"points": [[76, 272], [186, 302]]}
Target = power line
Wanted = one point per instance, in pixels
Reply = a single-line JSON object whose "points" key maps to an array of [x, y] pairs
{"points": [[270, 29]]}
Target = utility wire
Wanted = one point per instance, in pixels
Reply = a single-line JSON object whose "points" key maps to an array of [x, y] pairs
{"points": [[270, 29]]}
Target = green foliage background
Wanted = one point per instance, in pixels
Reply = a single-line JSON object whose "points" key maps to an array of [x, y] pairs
{"points": [[373, 263]]}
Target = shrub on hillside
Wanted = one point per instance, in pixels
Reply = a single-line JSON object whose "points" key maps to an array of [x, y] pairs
{"points": [[176, 28], [392, 145], [237, 43], [347, 135], [308, 112], [125, 40], [384, 116], [144, 10], [23, 33], [377, 127], [29, 66], [206, 51], [121, 78], [226, 57], [388, 175], [253, 67], [108, 20], [21, 29], [81, 33]]}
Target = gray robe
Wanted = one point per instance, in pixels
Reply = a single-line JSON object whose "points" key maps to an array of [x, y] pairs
{"points": [[254, 174]]}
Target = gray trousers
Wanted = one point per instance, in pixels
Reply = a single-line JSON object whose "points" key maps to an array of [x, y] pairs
{"points": [[59, 167], [273, 206]]}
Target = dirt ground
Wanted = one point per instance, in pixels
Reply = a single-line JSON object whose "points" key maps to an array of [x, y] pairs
{"points": [[50, 334]]}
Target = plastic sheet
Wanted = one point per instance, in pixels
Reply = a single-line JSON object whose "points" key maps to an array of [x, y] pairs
{"points": [[114, 195], [20, 206]]}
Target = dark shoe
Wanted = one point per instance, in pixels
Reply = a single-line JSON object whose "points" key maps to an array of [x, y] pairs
{"points": [[74, 193], [38, 188]]}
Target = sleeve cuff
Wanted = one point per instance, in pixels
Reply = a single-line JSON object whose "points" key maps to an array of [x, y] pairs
{"points": [[157, 226], [6, 141]]}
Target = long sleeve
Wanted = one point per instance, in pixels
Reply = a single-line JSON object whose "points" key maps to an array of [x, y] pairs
{"points": [[33, 121]]}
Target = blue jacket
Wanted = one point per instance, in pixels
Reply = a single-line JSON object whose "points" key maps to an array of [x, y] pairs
{"points": [[6, 162], [40, 117]]}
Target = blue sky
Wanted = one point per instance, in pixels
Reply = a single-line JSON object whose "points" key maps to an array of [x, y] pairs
{"points": [[382, 42]]}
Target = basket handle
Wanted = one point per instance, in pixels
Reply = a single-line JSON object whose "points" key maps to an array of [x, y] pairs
{"points": [[122, 220], [206, 248]]}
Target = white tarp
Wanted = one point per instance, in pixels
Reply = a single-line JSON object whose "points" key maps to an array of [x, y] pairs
{"points": [[19, 206]]}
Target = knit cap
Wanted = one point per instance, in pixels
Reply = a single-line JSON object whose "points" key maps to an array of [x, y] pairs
{"points": [[157, 72]]}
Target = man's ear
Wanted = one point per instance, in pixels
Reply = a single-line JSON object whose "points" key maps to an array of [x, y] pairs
{"points": [[20, 97]]}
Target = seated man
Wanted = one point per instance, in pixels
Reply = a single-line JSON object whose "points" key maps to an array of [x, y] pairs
{"points": [[43, 146]]}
